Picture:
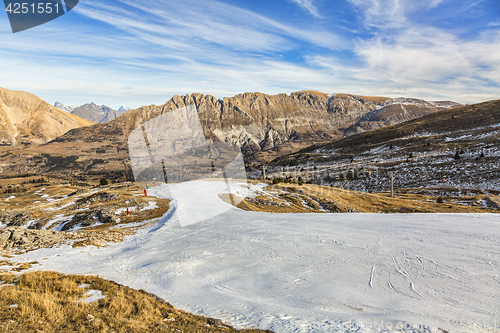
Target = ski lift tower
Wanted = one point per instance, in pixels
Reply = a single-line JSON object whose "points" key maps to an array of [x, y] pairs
{"points": [[391, 174]]}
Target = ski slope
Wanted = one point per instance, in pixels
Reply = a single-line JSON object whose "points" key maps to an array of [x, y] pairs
{"points": [[306, 272]]}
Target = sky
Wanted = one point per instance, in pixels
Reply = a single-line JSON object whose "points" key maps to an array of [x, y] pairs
{"points": [[134, 53]]}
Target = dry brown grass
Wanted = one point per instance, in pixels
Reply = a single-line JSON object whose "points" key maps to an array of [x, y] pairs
{"points": [[316, 93], [45, 302], [291, 198], [376, 99]]}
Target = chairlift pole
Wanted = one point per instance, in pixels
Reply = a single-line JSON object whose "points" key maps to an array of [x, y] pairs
{"points": [[391, 174]]}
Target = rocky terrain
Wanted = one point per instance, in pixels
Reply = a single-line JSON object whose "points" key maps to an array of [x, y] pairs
{"points": [[26, 119], [49, 214], [263, 126], [19, 239], [451, 152]]}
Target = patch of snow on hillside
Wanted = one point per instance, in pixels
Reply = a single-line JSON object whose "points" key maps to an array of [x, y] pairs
{"points": [[151, 205], [55, 223], [93, 296]]}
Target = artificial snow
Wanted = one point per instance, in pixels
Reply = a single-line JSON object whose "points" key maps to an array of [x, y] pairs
{"points": [[305, 272]]}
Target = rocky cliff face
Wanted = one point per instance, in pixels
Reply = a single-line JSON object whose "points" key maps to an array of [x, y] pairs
{"points": [[259, 122], [25, 118]]}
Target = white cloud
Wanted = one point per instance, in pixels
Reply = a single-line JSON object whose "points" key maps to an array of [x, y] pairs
{"points": [[382, 13], [426, 63], [308, 5], [211, 47]]}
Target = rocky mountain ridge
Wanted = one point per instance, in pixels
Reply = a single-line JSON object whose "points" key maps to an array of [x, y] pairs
{"points": [[395, 111], [263, 126], [93, 112]]}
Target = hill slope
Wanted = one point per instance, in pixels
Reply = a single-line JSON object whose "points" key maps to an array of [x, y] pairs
{"points": [[25, 118], [456, 148]]}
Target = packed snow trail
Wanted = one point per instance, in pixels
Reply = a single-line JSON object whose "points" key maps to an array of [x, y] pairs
{"points": [[305, 272]]}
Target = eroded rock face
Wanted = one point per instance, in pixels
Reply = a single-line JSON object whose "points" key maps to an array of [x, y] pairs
{"points": [[256, 121], [101, 196], [16, 237]]}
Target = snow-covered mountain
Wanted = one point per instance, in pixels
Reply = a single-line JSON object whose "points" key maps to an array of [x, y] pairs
{"points": [[92, 111], [123, 109], [65, 107]]}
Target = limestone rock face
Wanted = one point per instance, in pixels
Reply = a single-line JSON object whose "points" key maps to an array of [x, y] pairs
{"points": [[257, 122], [25, 118]]}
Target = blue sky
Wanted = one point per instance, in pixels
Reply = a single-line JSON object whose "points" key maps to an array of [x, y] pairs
{"points": [[134, 53]]}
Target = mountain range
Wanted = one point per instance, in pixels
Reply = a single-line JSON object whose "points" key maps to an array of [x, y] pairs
{"points": [[93, 112], [264, 126]]}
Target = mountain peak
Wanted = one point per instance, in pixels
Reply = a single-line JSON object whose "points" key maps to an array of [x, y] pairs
{"points": [[64, 107], [123, 109]]}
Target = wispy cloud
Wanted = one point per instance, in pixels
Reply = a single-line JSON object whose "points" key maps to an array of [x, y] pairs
{"points": [[309, 6], [125, 53], [428, 63], [382, 13]]}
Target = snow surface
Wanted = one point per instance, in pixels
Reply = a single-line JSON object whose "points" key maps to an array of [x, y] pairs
{"points": [[306, 272]]}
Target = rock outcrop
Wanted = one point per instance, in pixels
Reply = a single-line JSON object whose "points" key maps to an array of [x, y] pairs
{"points": [[20, 239]]}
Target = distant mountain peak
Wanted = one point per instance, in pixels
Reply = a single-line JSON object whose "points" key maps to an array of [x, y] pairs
{"points": [[64, 107], [124, 109], [93, 112]]}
